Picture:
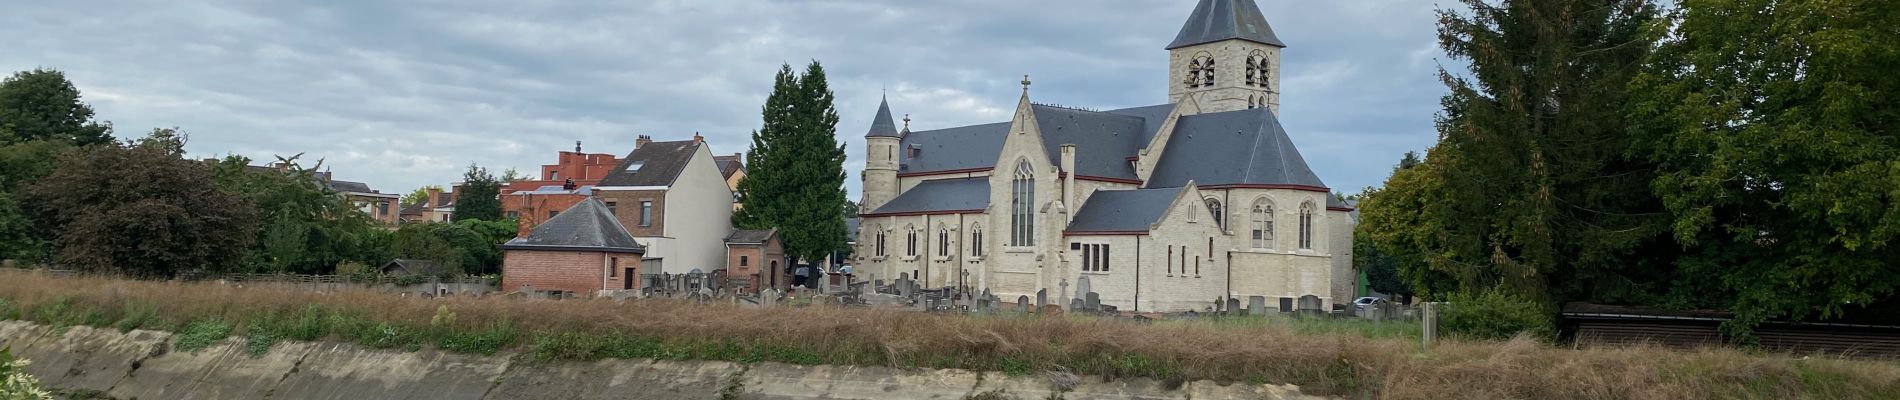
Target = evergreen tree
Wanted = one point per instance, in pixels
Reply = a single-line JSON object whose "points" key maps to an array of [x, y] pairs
{"points": [[42, 105], [795, 180], [1779, 124], [1535, 189], [479, 197]]}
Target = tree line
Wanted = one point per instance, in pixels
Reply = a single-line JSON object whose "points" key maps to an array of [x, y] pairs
{"points": [[1740, 155], [73, 196]]}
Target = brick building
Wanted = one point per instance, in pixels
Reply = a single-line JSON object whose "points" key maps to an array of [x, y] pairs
{"points": [[674, 200], [582, 252], [558, 187], [757, 257]]}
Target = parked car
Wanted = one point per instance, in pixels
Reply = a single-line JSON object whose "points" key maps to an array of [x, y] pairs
{"points": [[1364, 302]]}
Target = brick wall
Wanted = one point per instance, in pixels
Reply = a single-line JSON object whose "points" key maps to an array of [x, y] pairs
{"points": [[532, 209], [627, 209], [757, 260], [581, 272]]}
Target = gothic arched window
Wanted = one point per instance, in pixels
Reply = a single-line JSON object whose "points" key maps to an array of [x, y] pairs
{"points": [[1200, 71], [1259, 69], [880, 240], [943, 241], [1207, 73], [1220, 214], [1022, 201], [1262, 224], [1306, 226], [976, 240], [910, 241]]}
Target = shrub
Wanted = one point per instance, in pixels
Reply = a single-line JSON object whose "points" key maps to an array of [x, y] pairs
{"points": [[1495, 315], [15, 383]]}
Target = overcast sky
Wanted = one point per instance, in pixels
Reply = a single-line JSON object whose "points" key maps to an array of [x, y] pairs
{"points": [[409, 93]]}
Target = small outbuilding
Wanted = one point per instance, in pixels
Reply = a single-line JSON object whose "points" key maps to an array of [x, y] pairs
{"points": [[581, 251], [412, 267], [754, 257]]}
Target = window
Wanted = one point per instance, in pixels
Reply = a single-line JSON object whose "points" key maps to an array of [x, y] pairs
{"points": [[552, 213], [635, 166], [646, 213], [976, 240], [1170, 259], [1259, 70], [880, 243], [613, 266], [1197, 266], [1094, 257], [1306, 226], [514, 214], [554, 175], [910, 246], [943, 242], [1200, 71], [613, 208], [1022, 217], [1262, 224], [743, 260], [1220, 215]]}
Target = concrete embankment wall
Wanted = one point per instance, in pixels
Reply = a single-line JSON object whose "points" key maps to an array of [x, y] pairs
{"points": [[140, 364]]}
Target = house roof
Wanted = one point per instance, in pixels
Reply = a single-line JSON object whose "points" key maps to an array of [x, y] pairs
{"points": [[1123, 210], [349, 187], [729, 164], [413, 267], [882, 125], [1217, 20], [1234, 147], [964, 147], [659, 163], [751, 236], [588, 226], [941, 195]]}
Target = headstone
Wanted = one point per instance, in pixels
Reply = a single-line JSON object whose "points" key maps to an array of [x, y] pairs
{"points": [[1311, 304], [1082, 287], [1075, 305], [1233, 306], [1064, 293], [768, 297], [1092, 301], [1022, 303], [1042, 298], [1257, 305]]}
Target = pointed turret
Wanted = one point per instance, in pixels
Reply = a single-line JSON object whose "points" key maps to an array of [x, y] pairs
{"points": [[1217, 20], [882, 125]]}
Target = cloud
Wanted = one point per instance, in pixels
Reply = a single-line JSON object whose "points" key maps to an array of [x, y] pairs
{"points": [[405, 94]]}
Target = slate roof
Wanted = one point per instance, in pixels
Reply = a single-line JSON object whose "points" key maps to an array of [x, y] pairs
{"points": [[1217, 20], [729, 164], [750, 236], [964, 147], [588, 226], [349, 187], [976, 146], [882, 125], [660, 163], [1103, 140], [1123, 210], [941, 195], [404, 266], [1234, 147]]}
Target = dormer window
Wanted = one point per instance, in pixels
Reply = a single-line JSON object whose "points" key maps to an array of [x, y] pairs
{"points": [[635, 166]]}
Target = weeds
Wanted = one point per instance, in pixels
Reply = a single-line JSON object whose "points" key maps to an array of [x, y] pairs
{"points": [[200, 334]]}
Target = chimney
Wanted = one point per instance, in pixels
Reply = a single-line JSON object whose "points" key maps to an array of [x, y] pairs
{"points": [[641, 141], [577, 146], [697, 138], [434, 194]]}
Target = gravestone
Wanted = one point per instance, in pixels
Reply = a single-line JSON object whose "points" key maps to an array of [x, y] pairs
{"points": [[1022, 303], [1042, 299], [1310, 304], [1082, 287], [768, 297], [1286, 304], [1233, 306], [1075, 305], [1257, 305], [1092, 301]]}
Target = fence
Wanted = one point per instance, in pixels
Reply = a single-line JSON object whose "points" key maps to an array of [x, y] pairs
{"points": [[405, 285]]}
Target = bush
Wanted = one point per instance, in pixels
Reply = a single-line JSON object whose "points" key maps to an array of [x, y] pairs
{"points": [[1495, 315], [15, 383]]}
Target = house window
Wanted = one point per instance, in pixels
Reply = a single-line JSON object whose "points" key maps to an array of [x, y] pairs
{"points": [[613, 208], [613, 267], [943, 242], [976, 240], [1170, 260], [910, 241], [552, 213], [1220, 216], [1022, 221], [1095, 257], [1306, 226], [1197, 266], [1262, 224], [514, 214], [646, 213], [554, 175], [743, 260]]}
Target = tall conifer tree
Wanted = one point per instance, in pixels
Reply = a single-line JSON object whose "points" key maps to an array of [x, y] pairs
{"points": [[795, 180]]}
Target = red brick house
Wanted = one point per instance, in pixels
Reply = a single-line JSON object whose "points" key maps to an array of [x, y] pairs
{"points": [[757, 257], [582, 251], [559, 186]]}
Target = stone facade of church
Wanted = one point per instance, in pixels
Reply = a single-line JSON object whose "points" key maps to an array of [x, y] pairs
{"points": [[1163, 208]]}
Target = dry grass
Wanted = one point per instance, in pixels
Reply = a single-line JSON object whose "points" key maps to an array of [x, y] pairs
{"points": [[1328, 362]]}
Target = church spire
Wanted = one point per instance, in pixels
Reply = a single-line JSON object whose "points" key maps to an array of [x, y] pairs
{"points": [[882, 125], [1217, 20]]}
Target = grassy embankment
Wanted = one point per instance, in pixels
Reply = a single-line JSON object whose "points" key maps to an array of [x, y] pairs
{"points": [[1348, 358]]}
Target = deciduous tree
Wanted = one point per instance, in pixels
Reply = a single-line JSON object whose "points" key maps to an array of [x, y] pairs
{"points": [[42, 105], [479, 198]]}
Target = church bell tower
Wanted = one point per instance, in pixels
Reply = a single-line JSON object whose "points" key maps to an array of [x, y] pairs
{"points": [[1226, 57]]}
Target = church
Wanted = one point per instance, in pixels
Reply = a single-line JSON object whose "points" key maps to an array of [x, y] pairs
{"points": [[1161, 208]]}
